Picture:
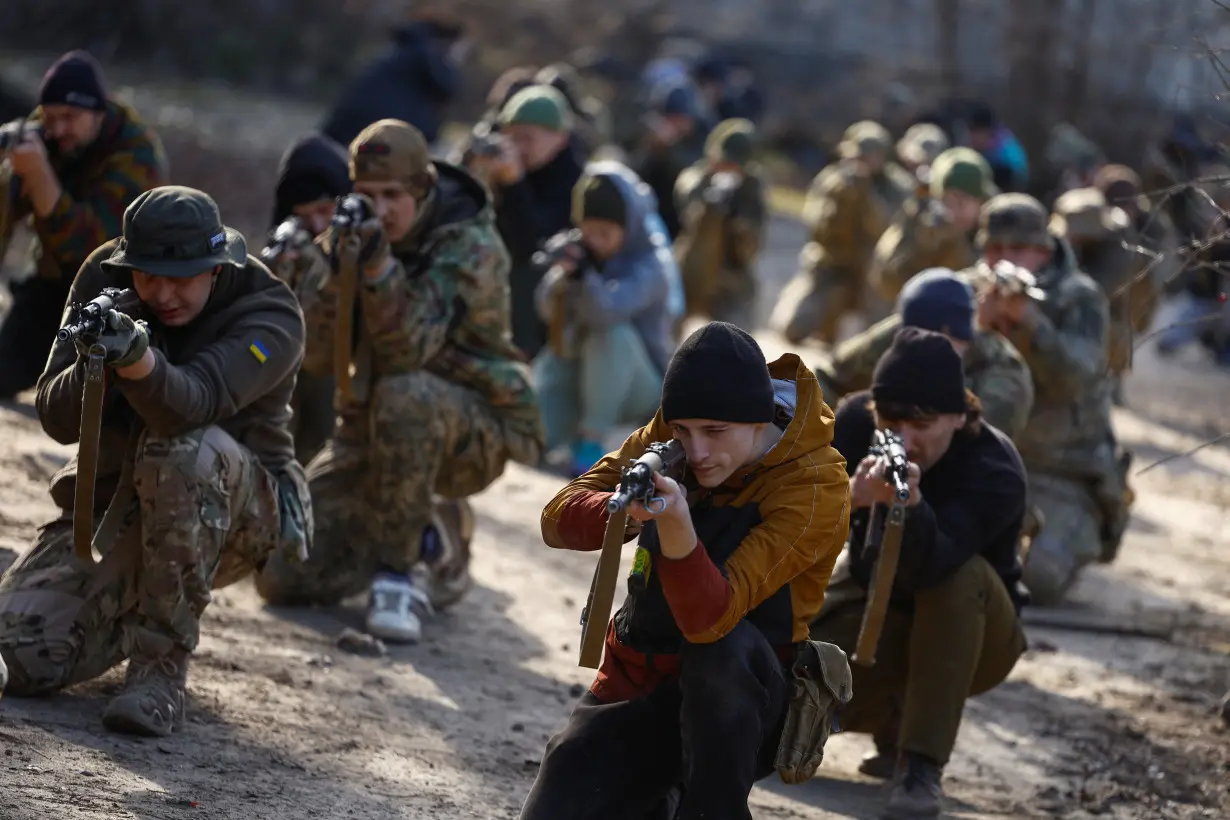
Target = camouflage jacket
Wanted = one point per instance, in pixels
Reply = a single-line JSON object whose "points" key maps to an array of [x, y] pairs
{"points": [[1064, 341], [994, 371], [444, 308], [1130, 288], [124, 161], [921, 236], [722, 230], [847, 210]]}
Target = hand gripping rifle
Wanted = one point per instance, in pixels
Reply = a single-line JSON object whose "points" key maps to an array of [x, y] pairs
{"points": [[280, 241], [88, 324], [564, 245], [635, 484], [885, 531]]}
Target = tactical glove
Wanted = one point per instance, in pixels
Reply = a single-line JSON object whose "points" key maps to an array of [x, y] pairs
{"points": [[123, 340]]}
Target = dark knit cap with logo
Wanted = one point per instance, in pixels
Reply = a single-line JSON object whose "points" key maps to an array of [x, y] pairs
{"points": [[920, 375], [719, 373], [76, 80]]}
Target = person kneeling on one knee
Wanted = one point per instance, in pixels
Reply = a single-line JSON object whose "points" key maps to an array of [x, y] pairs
{"points": [[692, 693], [197, 479], [606, 304], [952, 629]]}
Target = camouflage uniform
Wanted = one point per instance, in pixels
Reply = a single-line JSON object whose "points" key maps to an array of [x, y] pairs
{"points": [[723, 217], [1121, 187], [847, 210], [994, 371], [197, 483], [441, 398], [923, 234], [125, 159], [1067, 444], [1102, 237]]}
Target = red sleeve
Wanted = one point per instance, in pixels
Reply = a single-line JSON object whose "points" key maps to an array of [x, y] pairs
{"points": [[696, 590], [581, 523]]}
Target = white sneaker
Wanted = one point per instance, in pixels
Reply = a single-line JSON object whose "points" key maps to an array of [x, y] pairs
{"points": [[393, 614]]}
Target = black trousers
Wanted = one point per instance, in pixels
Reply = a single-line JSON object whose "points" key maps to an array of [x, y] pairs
{"points": [[28, 331], [711, 733]]}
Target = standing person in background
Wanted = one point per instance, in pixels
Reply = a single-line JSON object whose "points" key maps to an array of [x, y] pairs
{"points": [[674, 138], [531, 180], [92, 158], [414, 81], [999, 146]]}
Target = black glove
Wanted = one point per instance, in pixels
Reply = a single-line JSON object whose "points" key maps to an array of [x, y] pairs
{"points": [[123, 340]]}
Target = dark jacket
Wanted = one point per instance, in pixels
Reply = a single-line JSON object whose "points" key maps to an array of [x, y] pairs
{"points": [[768, 538], [973, 503], [528, 213], [205, 373], [314, 167], [413, 81]]}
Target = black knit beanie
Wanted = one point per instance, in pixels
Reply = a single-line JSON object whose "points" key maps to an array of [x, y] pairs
{"points": [[718, 373], [598, 197], [920, 375], [75, 79]]}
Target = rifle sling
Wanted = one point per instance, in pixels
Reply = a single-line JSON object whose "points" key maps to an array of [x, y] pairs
{"points": [[343, 330], [597, 613], [881, 590]]}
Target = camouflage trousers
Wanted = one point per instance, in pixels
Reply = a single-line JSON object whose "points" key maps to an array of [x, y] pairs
{"points": [[205, 515], [373, 486], [815, 301], [1070, 537]]}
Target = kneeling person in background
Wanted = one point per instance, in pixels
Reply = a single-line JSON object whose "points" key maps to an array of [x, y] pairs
{"points": [[952, 629], [606, 304], [693, 690]]}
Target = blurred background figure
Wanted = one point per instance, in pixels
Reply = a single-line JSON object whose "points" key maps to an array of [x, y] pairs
{"points": [[415, 80], [999, 146]]}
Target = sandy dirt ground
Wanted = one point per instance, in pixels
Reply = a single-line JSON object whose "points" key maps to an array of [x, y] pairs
{"points": [[282, 723]]}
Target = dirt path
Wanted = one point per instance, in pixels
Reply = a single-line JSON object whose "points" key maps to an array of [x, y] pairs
{"points": [[283, 724]]}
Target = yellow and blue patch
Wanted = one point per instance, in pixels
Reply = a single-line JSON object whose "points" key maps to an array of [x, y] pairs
{"points": [[258, 350]]}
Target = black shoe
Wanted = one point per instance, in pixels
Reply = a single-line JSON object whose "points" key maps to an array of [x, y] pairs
{"points": [[916, 790]]}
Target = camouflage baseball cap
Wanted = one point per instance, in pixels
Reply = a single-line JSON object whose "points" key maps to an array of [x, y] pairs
{"points": [[176, 232], [1084, 214], [731, 141], [863, 138], [964, 170], [393, 151], [922, 143], [1013, 219]]}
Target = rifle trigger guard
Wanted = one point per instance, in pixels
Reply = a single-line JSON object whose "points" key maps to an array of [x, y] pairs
{"points": [[657, 500]]}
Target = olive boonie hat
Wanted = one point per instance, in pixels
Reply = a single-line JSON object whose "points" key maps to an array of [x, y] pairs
{"points": [[177, 232], [1014, 219]]}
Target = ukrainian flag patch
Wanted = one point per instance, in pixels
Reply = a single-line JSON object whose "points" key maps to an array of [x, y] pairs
{"points": [[258, 350]]}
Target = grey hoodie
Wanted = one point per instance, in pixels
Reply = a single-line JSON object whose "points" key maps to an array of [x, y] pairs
{"points": [[637, 285]]}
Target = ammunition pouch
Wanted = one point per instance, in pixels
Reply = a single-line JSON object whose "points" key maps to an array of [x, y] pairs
{"points": [[820, 684]]}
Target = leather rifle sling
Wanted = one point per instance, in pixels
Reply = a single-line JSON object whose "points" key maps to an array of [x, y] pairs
{"points": [[881, 591], [343, 329], [87, 454], [597, 613]]}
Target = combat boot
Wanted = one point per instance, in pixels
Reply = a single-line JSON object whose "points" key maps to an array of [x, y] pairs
{"points": [[916, 791], [448, 561], [152, 702]]}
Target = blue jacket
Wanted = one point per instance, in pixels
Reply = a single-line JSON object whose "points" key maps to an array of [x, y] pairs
{"points": [[640, 285]]}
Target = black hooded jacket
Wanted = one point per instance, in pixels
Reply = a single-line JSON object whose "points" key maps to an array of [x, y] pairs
{"points": [[314, 167]]}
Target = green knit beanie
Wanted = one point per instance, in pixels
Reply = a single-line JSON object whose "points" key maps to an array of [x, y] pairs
{"points": [[731, 141], [964, 170], [598, 197], [539, 105]]}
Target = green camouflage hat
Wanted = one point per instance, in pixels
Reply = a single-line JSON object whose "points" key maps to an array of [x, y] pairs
{"points": [[176, 232], [1084, 214], [731, 141], [964, 170], [539, 105], [863, 138], [922, 144], [1017, 219]]}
